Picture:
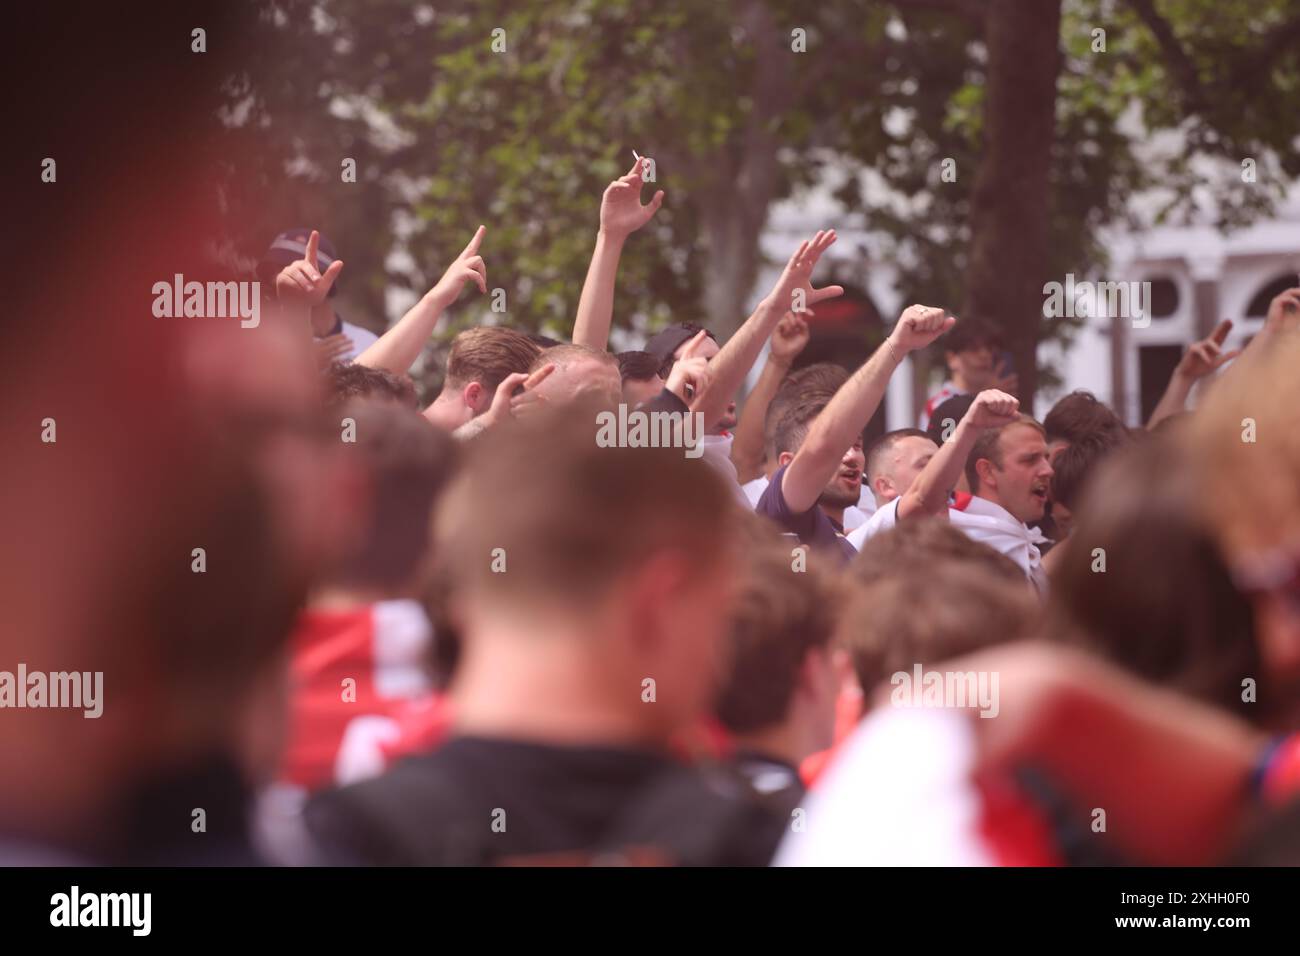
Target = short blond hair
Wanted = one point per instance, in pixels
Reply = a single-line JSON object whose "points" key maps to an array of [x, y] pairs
{"points": [[488, 356]]}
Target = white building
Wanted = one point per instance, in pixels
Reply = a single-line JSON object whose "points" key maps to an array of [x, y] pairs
{"points": [[1198, 277]]}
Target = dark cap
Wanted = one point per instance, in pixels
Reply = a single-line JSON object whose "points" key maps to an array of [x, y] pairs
{"points": [[666, 341], [290, 246]]}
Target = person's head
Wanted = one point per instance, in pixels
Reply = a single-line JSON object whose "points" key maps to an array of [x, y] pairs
{"points": [[926, 609], [784, 676], [894, 461], [667, 346], [918, 542], [404, 463], [1009, 467], [845, 485], [290, 246], [161, 527], [1141, 581], [1073, 467], [1246, 437], [640, 374], [970, 351], [480, 359], [946, 417], [607, 567], [817, 382], [348, 382], [1079, 416], [581, 373]]}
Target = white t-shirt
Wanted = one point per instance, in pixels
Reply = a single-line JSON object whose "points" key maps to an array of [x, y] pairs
{"points": [[899, 793], [885, 517], [982, 521], [361, 338]]}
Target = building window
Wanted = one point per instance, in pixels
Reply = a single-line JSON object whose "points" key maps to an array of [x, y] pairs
{"points": [[1258, 307], [1164, 297]]}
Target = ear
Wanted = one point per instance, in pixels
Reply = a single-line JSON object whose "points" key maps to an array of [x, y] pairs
{"points": [[473, 395], [784, 459], [984, 468], [881, 487]]}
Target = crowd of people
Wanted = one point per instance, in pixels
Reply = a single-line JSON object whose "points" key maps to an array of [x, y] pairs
{"points": [[471, 633]]}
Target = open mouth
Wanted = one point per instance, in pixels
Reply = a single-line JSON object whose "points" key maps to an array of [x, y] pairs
{"points": [[1040, 493], [852, 476]]}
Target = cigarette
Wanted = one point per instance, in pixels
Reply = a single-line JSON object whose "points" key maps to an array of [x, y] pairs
{"points": [[635, 156]]}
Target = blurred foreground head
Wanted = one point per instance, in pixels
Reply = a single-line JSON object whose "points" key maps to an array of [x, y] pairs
{"points": [[1247, 437], [132, 440], [607, 567], [1143, 583]]}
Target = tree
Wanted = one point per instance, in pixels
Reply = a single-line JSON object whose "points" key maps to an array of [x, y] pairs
{"points": [[450, 132]]}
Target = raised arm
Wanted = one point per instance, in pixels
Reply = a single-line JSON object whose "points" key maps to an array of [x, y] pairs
{"points": [[842, 420], [621, 214], [793, 292], [929, 492], [397, 349], [1197, 362], [788, 340]]}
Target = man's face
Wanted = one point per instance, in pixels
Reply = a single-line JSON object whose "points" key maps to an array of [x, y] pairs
{"points": [[905, 461], [635, 392], [845, 485], [1021, 484], [974, 366], [583, 378], [708, 350]]}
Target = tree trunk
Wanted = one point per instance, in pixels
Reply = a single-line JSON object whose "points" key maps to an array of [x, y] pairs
{"points": [[1010, 201], [735, 208]]}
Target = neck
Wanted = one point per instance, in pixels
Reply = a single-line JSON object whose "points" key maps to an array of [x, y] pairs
{"points": [[323, 319], [960, 382], [448, 411], [986, 496], [554, 682]]}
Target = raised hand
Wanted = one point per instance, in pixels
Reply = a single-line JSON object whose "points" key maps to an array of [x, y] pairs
{"points": [[1283, 311], [793, 290], [789, 337], [506, 404], [466, 267], [301, 281], [918, 326], [1206, 355], [690, 374], [621, 211], [993, 409]]}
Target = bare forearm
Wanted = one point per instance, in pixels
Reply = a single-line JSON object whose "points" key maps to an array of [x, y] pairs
{"points": [[596, 304], [929, 492], [730, 366], [397, 349], [837, 427], [747, 449]]}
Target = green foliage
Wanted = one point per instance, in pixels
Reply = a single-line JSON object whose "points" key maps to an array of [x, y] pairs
{"points": [[448, 134]]}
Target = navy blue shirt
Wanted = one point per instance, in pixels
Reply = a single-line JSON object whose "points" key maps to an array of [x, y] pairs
{"points": [[812, 527]]}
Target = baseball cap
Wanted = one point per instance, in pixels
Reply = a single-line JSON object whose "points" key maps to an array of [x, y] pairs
{"points": [[290, 246], [666, 341]]}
